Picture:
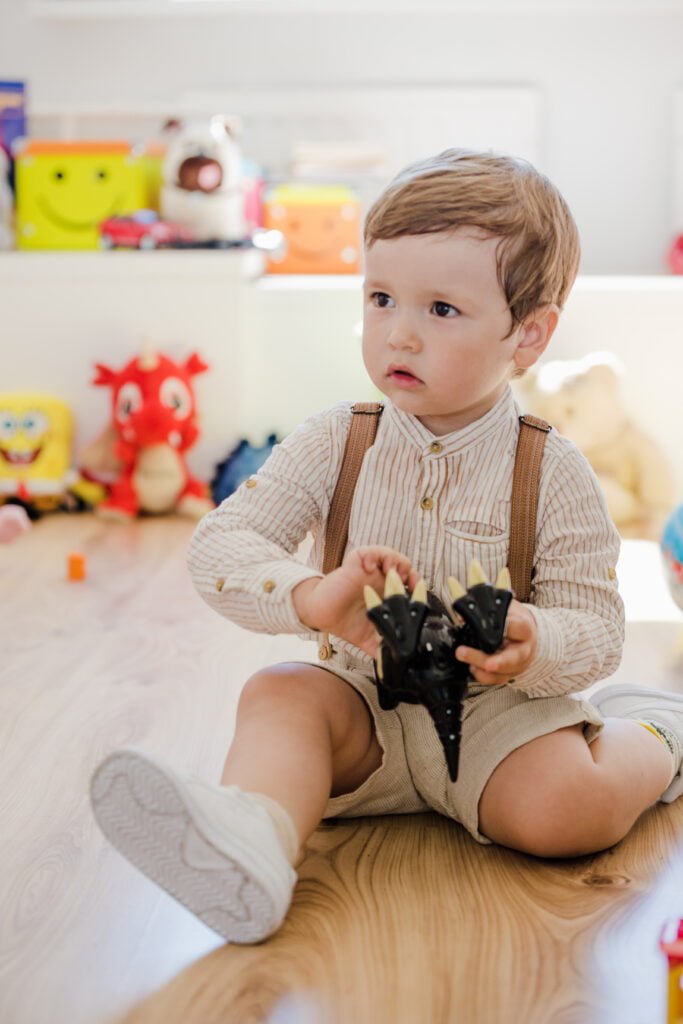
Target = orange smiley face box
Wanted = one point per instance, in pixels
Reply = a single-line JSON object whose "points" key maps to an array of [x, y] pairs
{"points": [[321, 225]]}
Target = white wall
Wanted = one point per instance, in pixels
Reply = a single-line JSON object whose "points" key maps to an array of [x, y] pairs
{"points": [[607, 81]]}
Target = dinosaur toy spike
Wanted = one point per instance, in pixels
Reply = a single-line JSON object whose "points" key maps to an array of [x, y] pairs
{"points": [[372, 598], [420, 592], [455, 588], [393, 585], [475, 574], [503, 581]]}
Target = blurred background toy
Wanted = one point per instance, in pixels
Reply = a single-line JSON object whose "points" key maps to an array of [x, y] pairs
{"points": [[321, 225], [36, 432], [671, 944], [142, 230], [582, 399], [14, 521], [6, 204], [76, 566], [242, 462], [13, 126], [672, 554], [66, 189], [154, 420], [675, 255], [203, 185]]}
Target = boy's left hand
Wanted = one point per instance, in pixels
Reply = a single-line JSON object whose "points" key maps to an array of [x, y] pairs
{"points": [[514, 657]]}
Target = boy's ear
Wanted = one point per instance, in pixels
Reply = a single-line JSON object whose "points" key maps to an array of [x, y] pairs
{"points": [[534, 335]]}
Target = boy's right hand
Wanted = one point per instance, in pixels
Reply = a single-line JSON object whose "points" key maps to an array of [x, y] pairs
{"points": [[335, 603]]}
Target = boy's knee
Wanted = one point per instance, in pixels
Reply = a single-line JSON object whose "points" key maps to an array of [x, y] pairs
{"points": [[303, 688], [274, 684], [564, 817]]}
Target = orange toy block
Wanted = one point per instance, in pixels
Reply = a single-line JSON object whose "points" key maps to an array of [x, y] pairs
{"points": [[75, 566], [321, 226]]}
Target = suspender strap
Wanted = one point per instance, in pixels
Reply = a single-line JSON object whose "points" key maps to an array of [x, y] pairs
{"points": [[532, 436], [361, 436]]}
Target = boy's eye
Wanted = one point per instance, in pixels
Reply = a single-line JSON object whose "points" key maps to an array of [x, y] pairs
{"points": [[444, 309], [381, 299]]}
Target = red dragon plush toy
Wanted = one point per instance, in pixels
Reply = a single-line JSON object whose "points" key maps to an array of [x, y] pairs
{"points": [[154, 421]]}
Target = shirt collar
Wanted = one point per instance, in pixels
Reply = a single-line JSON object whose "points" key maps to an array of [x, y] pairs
{"points": [[503, 414]]}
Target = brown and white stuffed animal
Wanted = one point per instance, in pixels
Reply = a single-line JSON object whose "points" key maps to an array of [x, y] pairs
{"points": [[582, 399], [203, 187]]}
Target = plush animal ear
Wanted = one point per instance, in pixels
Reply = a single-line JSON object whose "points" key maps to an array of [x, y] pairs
{"points": [[230, 122], [104, 377], [195, 365]]}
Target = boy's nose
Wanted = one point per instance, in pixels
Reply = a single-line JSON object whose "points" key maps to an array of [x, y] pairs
{"points": [[404, 336]]}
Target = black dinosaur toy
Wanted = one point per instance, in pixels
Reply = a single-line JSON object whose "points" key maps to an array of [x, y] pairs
{"points": [[416, 661]]}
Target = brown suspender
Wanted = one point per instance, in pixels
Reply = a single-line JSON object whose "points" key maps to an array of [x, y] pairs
{"points": [[531, 442], [361, 436]]}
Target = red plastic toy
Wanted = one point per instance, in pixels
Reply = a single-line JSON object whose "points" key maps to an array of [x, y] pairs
{"points": [[675, 255], [142, 230], [155, 422], [671, 944]]}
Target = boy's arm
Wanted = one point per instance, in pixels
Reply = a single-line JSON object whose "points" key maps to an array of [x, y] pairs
{"points": [[577, 626], [242, 554]]}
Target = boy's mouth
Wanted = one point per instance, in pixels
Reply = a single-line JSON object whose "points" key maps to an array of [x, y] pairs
{"points": [[402, 376]]}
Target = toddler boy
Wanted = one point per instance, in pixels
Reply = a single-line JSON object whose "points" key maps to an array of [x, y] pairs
{"points": [[469, 260]]}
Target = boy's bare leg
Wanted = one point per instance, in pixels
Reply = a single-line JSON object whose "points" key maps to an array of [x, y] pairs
{"points": [[302, 734], [558, 796]]}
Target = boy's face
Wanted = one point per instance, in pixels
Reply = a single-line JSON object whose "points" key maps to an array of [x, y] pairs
{"points": [[435, 325]]}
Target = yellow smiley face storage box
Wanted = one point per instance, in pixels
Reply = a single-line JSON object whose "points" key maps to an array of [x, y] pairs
{"points": [[66, 189]]}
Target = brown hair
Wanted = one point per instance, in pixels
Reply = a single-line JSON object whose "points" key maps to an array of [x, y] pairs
{"points": [[503, 196]]}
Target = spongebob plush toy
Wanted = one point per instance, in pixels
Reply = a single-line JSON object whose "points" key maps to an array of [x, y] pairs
{"points": [[36, 432]]}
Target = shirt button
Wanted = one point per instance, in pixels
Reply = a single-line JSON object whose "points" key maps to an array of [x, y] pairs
{"points": [[435, 447], [427, 504], [220, 583], [250, 482], [611, 573], [269, 586]]}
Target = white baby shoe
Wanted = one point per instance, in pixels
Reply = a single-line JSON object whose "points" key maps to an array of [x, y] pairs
{"points": [[213, 848], [644, 704]]}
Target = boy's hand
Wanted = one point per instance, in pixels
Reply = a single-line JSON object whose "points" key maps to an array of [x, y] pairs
{"points": [[335, 603], [513, 658]]}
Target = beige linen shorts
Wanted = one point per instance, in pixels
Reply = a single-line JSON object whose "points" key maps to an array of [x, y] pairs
{"points": [[413, 775]]}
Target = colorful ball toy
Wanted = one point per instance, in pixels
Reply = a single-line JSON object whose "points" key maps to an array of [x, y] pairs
{"points": [[672, 554]]}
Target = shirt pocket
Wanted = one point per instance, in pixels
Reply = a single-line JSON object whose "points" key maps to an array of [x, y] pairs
{"points": [[475, 534]]}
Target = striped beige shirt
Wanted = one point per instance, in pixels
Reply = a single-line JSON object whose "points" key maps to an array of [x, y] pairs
{"points": [[441, 502]]}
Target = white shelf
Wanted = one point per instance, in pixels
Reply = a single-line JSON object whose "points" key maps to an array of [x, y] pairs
{"points": [[167, 264]]}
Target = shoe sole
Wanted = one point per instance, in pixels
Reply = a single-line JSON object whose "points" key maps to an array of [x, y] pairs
{"points": [[152, 821]]}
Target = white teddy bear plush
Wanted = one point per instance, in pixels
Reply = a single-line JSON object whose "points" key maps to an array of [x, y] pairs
{"points": [[203, 187], [582, 399]]}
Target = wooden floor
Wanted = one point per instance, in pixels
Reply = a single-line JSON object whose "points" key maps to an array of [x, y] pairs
{"points": [[394, 921]]}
